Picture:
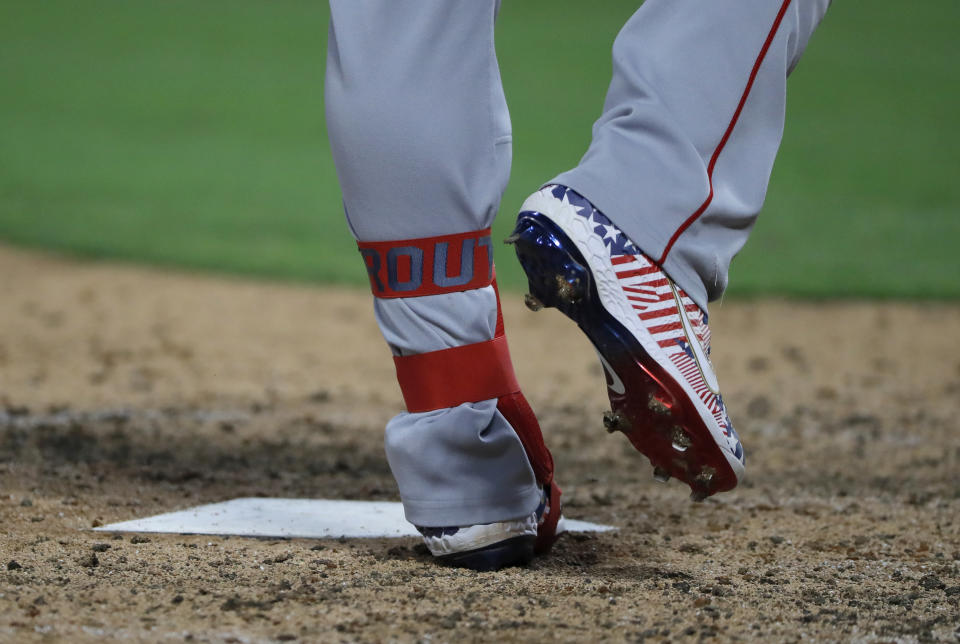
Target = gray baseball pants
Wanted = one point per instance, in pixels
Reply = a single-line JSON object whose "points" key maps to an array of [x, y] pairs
{"points": [[680, 160]]}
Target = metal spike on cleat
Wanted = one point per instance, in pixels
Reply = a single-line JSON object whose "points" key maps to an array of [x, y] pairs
{"points": [[657, 406], [705, 477], [610, 421], [568, 291], [702, 483], [532, 302], [680, 439], [614, 422], [661, 475]]}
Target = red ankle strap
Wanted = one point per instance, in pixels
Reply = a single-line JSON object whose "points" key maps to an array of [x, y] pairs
{"points": [[450, 377]]}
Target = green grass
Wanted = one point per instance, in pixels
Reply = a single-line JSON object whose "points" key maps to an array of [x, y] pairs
{"points": [[191, 133]]}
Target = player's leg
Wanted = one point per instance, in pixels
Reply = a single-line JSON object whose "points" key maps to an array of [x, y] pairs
{"points": [[421, 141], [681, 157], [643, 230]]}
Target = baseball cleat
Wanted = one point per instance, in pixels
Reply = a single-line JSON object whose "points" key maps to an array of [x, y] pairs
{"points": [[652, 339], [492, 546]]}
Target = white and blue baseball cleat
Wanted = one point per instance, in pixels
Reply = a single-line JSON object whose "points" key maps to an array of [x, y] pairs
{"points": [[493, 546], [652, 339]]}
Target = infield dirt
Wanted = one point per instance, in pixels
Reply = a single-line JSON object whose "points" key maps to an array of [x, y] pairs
{"points": [[126, 392]]}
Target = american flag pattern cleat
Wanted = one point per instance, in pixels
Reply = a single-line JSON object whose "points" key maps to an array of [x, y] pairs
{"points": [[493, 546], [652, 339]]}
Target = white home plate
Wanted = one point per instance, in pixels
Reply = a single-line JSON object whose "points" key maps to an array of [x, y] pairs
{"points": [[306, 518]]}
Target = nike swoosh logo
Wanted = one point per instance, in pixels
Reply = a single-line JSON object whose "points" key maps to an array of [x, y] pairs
{"points": [[615, 385], [703, 362]]}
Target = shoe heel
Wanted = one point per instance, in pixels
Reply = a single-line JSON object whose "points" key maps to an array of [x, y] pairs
{"points": [[556, 277]]}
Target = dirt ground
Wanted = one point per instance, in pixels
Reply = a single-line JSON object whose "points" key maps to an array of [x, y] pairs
{"points": [[126, 392]]}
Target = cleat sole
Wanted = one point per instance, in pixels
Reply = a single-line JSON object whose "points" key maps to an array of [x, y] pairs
{"points": [[518, 551], [660, 420]]}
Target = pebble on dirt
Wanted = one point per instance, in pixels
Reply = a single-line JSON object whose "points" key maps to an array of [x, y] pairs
{"points": [[932, 582], [90, 561]]}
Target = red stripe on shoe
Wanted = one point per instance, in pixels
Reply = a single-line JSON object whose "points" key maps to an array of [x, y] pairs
{"points": [[726, 135], [663, 328], [646, 270], [652, 284], [652, 298], [650, 315], [638, 289]]}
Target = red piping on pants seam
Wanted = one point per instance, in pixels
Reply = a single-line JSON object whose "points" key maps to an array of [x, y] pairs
{"points": [[726, 135]]}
